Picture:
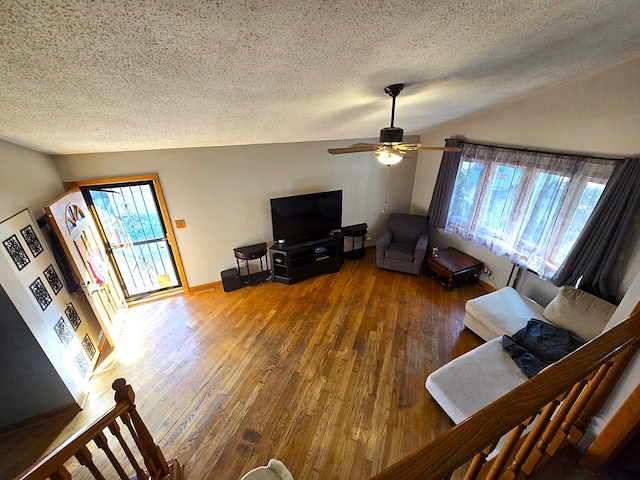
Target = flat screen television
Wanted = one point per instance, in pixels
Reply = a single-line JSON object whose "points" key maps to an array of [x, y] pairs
{"points": [[302, 218]]}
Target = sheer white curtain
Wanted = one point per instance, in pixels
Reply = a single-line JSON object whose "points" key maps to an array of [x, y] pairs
{"points": [[530, 206]]}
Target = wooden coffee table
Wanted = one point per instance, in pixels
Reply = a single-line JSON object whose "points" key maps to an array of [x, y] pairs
{"points": [[452, 267]]}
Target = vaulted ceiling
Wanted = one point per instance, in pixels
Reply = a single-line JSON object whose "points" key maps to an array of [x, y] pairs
{"points": [[85, 76]]}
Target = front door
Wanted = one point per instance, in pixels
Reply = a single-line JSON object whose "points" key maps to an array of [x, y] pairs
{"points": [[135, 236], [74, 226]]}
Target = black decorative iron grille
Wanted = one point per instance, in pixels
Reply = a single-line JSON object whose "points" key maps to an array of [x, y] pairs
{"points": [[16, 252], [54, 280], [72, 316], [31, 240], [63, 332], [40, 294], [88, 347], [81, 362]]}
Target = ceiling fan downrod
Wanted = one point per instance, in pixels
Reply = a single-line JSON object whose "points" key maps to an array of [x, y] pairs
{"points": [[393, 91], [392, 135]]}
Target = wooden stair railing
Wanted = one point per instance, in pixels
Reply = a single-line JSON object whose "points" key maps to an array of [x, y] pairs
{"points": [[560, 402], [155, 465], [615, 435]]}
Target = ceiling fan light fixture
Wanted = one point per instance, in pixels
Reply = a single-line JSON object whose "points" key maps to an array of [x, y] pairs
{"points": [[388, 155]]}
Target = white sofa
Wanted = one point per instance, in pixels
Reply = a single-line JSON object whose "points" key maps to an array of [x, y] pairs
{"points": [[474, 380]]}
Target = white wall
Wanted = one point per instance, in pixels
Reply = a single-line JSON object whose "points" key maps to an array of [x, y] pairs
{"points": [[598, 114], [223, 192], [28, 179]]}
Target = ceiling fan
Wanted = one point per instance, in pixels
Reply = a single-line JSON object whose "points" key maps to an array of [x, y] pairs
{"points": [[390, 150]]}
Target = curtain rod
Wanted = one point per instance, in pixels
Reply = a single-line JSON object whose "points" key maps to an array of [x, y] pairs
{"points": [[615, 159]]}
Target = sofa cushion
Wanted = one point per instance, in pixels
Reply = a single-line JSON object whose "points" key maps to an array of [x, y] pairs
{"points": [[403, 252], [474, 380], [498, 313], [583, 314], [407, 227]]}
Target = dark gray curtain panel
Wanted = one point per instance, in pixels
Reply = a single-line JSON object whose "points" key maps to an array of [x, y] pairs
{"points": [[601, 248], [445, 182]]}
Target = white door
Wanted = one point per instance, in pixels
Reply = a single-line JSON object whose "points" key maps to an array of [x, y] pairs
{"points": [[72, 222]]}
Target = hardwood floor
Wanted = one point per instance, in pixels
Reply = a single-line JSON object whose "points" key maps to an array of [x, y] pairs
{"points": [[326, 375]]}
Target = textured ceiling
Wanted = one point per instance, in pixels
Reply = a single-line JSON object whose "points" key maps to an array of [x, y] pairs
{"points": [[87, 76]]}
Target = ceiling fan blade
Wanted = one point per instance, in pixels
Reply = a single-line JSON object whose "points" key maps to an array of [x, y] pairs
{"points": [[355, 148], [419, 147]]}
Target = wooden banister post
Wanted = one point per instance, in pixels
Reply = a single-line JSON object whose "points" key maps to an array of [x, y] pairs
{"points": [[124, 393], [154, 459], [479, 460], [531, 440], [615, 434], [103, 444], [114, 428], [602, 393], [61, 474], [85, 458]]}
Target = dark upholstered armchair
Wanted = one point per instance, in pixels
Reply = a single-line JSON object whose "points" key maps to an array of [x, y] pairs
{"points": [[403, 244]]}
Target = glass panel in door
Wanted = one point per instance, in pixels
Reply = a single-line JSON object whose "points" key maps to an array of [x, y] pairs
{"points": [[135, 236]]}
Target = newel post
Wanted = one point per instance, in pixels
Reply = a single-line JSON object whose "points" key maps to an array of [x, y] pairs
{"points": [[153, 457]]}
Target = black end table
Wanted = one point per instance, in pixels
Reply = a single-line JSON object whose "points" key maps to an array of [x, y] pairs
{"points": [[253, 252], [353, 231]]}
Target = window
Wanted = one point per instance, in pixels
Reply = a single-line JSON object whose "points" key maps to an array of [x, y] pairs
{"points": [[530, 206]]}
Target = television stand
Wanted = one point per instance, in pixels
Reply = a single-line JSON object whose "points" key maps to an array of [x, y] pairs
{"points": [[295, 243], [297, 262]]}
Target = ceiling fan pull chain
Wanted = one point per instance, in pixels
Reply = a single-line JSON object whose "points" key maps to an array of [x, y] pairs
{"points": [[386, 189]]}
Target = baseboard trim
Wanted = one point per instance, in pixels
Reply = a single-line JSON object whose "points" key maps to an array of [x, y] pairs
{"points": [[486, 286], [42, 417], [82, 398], [205, 287]]}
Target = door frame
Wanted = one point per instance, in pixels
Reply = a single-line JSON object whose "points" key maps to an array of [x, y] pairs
{"points": [[164, 213]]}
